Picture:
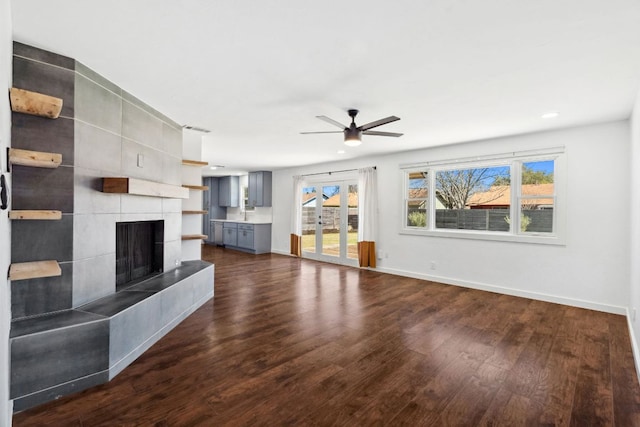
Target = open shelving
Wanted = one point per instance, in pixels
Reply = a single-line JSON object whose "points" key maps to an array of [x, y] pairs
{"points": [[36, 159], [35, 215], [34, 103], [34, 270]]}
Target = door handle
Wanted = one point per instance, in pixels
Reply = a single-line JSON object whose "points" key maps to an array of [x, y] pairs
{"points": [[3, 193]]}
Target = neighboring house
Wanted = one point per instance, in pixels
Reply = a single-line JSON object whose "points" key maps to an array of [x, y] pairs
{"points": [[499, 197], [309, 199], [334, 201]]}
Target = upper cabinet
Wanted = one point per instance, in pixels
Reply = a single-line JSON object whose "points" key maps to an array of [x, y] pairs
{"points": [[259, 189], [229, 191]]}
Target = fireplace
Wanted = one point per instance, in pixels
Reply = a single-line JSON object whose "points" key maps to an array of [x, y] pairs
{"points": [[139, 251]]}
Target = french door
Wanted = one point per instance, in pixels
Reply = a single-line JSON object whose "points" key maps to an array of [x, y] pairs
{"points": [[330, 222]]}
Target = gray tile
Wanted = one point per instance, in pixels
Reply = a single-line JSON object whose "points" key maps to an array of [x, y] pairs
{"points": [[176, 300], [40, 188], [114, 304], [51, 136], [53, 393], [46, 79], [146, 107], [42, 240], [97, 78], [98, 106], [172, 141], [152, 161], [172, 205], [172, 254], [38, 296], [27, 51], [130, 204], [94, 235], [125, 217], [97, 149], [140, 126], [131, 328], [203, 284], [52, 321], [89, 197], [50, 358], [171, 170], [93, 278], [172, 226]]}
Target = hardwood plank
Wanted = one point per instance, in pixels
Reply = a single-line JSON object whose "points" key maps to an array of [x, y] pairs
{"points": [[196, 187], [34, 270], [34, 103], [35, 215], [194, 212], [199, 163], [287, 341], [193, 236], [36, 159], [142, 187]]}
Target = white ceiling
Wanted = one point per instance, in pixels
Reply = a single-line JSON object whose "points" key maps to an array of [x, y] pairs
{"points": [[256, 73]]}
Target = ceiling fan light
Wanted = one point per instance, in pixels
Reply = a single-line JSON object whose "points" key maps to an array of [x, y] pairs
{"points": [[352, 141]]}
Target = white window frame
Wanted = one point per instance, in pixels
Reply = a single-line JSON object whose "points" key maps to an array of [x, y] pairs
{"points": [[514, 161]]}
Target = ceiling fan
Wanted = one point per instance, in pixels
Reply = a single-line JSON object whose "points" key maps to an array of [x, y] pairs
{"points": [[352, 133]]}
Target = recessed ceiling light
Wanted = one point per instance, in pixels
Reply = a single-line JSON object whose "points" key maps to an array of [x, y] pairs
{"points": [[214, 167], [341, 151], [550, 115]]}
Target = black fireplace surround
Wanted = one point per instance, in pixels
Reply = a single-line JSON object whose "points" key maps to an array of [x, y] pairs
{"points": [[139, 251]]}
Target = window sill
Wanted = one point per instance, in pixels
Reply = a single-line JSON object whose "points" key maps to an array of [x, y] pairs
{"points": [[546, 239]]}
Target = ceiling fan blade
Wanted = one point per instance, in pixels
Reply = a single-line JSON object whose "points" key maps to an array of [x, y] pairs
{"points": [[329, 131], [374, 132], [333, 122], [379, 123]]}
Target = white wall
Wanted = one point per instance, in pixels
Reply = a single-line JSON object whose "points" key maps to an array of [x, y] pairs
{"points": [[634, 253], [6, 55], [591, 271]]}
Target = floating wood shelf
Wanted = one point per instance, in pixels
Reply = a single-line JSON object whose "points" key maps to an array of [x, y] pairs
{"points": [[46, 215], [141, 187], [37, 159], [194, 237], [34, 103], [196, 187], [187, 162], [194, 212], [34, 270]]}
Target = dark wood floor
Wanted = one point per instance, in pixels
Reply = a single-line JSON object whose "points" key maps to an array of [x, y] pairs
{"points": [[295, 342]]}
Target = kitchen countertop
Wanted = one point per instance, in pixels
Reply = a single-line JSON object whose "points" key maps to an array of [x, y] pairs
{"points": [[240, 221]]}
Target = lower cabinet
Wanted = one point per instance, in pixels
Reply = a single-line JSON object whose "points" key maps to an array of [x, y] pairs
{"points": [[230, 234], [245, 236], [254, 238]]}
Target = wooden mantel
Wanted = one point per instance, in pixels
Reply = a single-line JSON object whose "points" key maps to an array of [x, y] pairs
{"points": [[142, 187]]}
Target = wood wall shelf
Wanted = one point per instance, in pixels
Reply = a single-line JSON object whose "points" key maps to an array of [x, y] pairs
{"points": [[35, 104], [194, 237], [141, 187], [187, 162], [34, 270], [41, 215], [196, 187], [36, 159], [195, 212]]}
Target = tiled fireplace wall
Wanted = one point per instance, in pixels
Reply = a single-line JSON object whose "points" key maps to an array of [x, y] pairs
{"points": [[103, 131]]}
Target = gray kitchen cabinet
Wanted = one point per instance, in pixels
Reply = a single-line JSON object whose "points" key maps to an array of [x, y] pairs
{"points": [[260, 188], [253, 238], [245, 236], [230, 234], [229, 191]]}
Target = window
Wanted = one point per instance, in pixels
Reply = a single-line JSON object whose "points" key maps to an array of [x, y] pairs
{"points": [[510, 197]]}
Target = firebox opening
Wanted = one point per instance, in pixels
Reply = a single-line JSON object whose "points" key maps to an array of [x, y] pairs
{"points": [[139, 251]]}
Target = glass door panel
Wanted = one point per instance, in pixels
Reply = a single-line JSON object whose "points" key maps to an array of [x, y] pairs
{"points": [[309, 219], [330, 222]]}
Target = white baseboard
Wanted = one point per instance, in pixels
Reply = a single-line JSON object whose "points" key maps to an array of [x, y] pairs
{"points": [[279, 252], [509, 291], [634, 345]]}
